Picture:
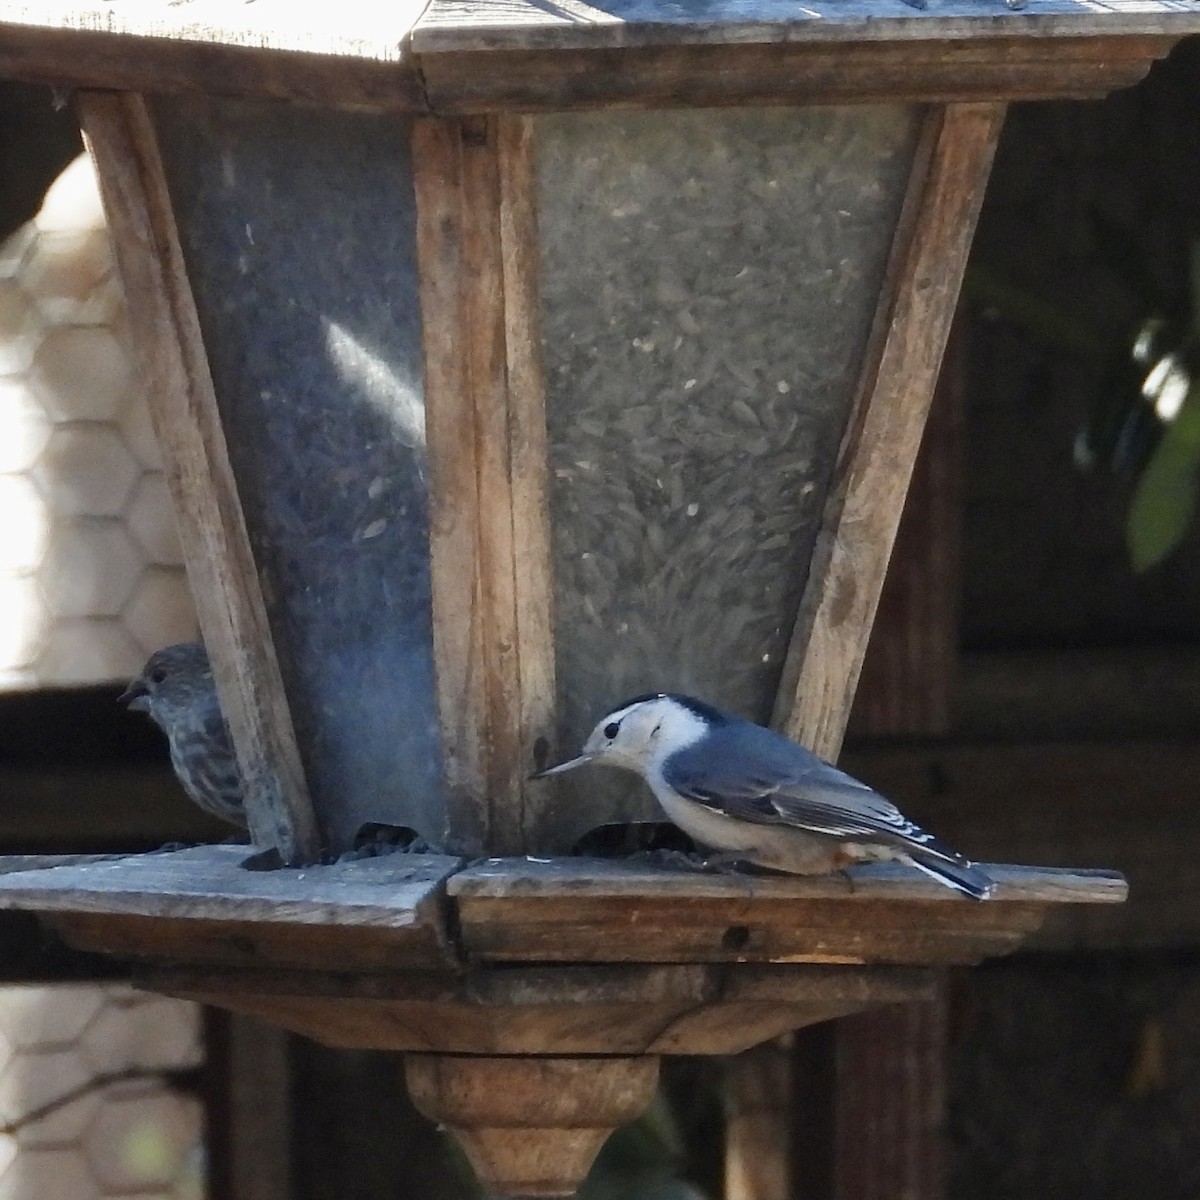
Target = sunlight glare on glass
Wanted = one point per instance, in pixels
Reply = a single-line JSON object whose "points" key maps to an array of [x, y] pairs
{"points": [[397, 399]]}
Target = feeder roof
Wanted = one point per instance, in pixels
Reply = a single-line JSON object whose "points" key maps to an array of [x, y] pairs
{"points": [[395, 31], [523, 24], [476, 55]]}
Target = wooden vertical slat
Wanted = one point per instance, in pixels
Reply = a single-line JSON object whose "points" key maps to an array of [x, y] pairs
{"points": [[453, 502], [249, 1134], [187, 422], [485, 423], [884, 432], [485, 351], [758, 1102], [889, 1103], [454, 493], [529, 455]]}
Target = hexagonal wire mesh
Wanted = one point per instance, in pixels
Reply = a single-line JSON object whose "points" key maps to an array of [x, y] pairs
{"points": [[91, 577], [87, 1106]]}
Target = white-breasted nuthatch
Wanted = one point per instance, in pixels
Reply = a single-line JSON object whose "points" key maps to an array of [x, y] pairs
{"points": [[756, 796]]}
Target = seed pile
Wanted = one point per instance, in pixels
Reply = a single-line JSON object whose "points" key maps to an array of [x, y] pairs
{"points": [[707, 283]]}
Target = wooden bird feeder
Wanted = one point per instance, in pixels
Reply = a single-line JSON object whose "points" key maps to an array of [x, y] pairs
{"points": [[509, 359]]}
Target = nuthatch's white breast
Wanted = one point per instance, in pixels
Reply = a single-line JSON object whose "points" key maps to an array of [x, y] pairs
{"points": [[752, 794]]}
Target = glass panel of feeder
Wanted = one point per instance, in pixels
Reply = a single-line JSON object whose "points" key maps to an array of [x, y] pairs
{"points": [[298, 227], [708, 281]]}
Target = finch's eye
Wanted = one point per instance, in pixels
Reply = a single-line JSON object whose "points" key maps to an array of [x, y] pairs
{"points": [[612, 729], [157, 675]]}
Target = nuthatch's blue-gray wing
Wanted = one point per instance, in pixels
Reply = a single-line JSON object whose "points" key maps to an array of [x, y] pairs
{"points": [[754, 774]]}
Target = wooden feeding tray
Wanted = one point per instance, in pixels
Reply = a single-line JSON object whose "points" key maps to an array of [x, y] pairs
{"points": [[587, 910], [532, 997], [519, 955]]}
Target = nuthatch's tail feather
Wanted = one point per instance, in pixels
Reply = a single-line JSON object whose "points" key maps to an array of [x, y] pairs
{"points": [[966, 877]]}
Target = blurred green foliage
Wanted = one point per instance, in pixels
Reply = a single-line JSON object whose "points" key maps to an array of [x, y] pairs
{"points": [[1144, 423]]}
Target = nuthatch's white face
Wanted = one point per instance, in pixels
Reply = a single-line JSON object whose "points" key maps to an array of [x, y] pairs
{"points": [[637, 736]]}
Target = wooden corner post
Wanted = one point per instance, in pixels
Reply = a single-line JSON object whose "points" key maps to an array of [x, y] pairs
{"points": [[212, 529], [486, 429], [879, 448]]}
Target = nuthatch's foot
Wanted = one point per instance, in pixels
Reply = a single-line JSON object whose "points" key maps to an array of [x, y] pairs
{"points": [[725, 863]]}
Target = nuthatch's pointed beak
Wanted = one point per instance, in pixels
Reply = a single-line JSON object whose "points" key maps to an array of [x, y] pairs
{"points": [[569, 765], [132, 694]]}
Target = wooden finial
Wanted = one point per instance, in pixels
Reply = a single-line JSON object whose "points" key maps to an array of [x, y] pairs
{"points": [[531, 1126]]}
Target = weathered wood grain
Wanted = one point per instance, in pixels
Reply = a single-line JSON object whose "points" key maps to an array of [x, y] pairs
{"points": [[718, 931], [202, 905], [758, 1121], [212, 530], [497, 25], [613, 1009], [453, 482], [785, 72], [234, 943], [486, 442], [884, 433], [596, 911], [480, 340], [212, 882], [528, 466], [11, 864], [512, 878], [365, 30], [464, 56], [68, 57]]}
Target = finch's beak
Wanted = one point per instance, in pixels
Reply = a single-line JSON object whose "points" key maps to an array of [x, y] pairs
{"points": [[135, 697], [569, 765]]}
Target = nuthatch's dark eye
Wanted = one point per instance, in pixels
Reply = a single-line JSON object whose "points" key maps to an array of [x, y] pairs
{"points": [[158, 675], [612, 729]]}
